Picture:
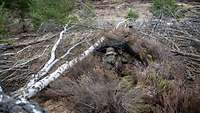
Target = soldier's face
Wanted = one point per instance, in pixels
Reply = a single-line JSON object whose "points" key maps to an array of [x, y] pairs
{"points": [[111, 59]]}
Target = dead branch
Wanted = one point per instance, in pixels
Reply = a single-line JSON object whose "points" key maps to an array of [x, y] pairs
{"points": [[38, 86], [52, 61], [23, 62], [44, 38], [185, 54]]}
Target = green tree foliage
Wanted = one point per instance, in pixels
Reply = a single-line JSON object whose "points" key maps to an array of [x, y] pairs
{"points": [[164, 8], [21, 5], [57, 10], [2, 19], [41, 10]]}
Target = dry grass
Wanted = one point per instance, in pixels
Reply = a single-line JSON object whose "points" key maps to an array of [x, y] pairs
{"points": [[155, 87]]}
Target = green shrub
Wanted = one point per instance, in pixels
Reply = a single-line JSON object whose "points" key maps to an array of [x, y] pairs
{"points": [[132, 14], [126, 82], [56, 10], [7, 41], [158, 82], [2, 19], [21, 5], [164, 8], [88, 10]]}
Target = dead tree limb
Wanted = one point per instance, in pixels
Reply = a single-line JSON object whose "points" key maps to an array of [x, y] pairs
{"points": [[38, 86], [185, 54], [45, 38]]}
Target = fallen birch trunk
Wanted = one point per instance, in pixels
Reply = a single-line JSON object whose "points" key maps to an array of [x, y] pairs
{"points": [[48, 66], [38, 86], [11, 105], [50, 63]]}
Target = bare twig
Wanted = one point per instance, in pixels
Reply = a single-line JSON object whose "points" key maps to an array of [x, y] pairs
{"points": [[38, 86], [45, 38], [186, 54]]}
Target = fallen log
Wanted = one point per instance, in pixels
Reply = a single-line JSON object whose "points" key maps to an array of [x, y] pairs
{"points": [[41, 84]]}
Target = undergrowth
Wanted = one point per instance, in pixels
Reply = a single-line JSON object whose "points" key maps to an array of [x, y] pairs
{"points": [[7, 41], [158, 82], [44, 12], [88, 10], [58, 11], [20, 5], [162, 8], [132, 14], [2, 19], [91, 88]]}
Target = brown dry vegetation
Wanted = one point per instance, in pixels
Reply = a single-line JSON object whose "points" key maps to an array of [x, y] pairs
{"points": [[157, 86], [153, 80]]}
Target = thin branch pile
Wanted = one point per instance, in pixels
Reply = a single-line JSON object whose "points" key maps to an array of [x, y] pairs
{"points": [[182, 36]]}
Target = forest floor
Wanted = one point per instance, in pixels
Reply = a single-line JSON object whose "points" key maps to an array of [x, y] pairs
{"points": [[108, 15], [74, 91], [113, 13]]}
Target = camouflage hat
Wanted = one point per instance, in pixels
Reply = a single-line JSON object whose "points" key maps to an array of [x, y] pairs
{"points": [[110, 51]]}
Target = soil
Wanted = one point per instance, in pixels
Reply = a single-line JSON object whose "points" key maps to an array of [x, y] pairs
{"points": [[110, 14]]}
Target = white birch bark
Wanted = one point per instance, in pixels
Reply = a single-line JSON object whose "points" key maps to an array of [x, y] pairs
{"points": [[50, 63], [38, 86], [120, 23]]}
